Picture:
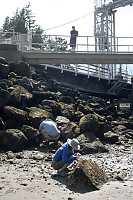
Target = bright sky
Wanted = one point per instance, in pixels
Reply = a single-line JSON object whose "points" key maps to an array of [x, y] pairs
{"points": [[51, 13]]}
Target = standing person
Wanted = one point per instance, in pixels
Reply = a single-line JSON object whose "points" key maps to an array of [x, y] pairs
{"points": [[74, 34], [64, 156], [48, 129]]}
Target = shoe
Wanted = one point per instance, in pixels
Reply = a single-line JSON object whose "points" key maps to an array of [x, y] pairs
{"points": [[61, 173]]}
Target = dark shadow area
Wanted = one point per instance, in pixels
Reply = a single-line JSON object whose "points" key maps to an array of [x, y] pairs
{"points": [[84, 189]]}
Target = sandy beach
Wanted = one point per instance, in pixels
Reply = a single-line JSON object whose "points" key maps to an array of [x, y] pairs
{"points": [[28, 175]]}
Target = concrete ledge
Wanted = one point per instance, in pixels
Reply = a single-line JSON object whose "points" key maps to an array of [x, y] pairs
{"points": [[8, 47]]}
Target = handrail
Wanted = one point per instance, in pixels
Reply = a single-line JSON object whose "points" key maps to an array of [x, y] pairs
{"points": [[89, 70], [84, 44]]}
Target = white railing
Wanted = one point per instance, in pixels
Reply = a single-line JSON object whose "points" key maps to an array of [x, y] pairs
{"points": [[10, 38], [52, 43], [61, 43], [98, 71]]}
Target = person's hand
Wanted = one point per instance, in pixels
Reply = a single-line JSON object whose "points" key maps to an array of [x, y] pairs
{"points": [[78, 155]]}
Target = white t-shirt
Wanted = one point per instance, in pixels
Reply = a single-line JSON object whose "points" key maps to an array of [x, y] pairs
{"points": [[49, 126]]}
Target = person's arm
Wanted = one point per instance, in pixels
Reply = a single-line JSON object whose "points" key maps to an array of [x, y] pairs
{"points": [[40, 127], [65, 158]]}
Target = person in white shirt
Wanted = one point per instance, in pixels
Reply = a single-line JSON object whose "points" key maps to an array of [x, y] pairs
{"points": [[48, 129]]}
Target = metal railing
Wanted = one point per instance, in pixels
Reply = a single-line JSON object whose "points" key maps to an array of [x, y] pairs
{"points": [[98, 71], [61, 43]]}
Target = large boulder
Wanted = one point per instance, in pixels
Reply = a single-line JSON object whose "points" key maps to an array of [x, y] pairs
{"points": [[16, 114], [35, 115], [13, 139], [31, 134], [4, 97], [20, 96], [89, 123], [38, 96], [10, 124], [85, 109], [26, 83], [4, 70], [77, 116], [111, 137], [3, 85], [66, 110], [69, 130], [61, 121], [22, 69], [51, 105], [66, 99], [90, 144], [86, 174]]}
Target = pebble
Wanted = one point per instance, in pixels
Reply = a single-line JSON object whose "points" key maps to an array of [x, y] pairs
{"points": [[119, 158]]}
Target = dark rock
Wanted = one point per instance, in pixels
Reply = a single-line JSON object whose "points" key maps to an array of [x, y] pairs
{"points": [[38, 96], [4, 97], [4, 70], [3, 85], [51, 85], [26, 83], [3, 61], [35, 115], [13, 139], [66, 99], [61, 121], [31, 134], [51, 105], [120, 128], [69, 130], [111, 137], [66, 110], [1, 122], [90, 144], [86, 174], [20, 96], [89, 123], [16, 114], [22, 69], [85, 109], [10, 124]]}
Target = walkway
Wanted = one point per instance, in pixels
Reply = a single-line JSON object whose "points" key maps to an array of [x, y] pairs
{"points": [[76, 58]]}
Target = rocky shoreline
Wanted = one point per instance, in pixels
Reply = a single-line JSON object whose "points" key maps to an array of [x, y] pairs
{"points": [[105, 133]]}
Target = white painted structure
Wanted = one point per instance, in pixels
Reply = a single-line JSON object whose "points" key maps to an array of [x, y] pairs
{"points": [[104, 29], [103, 54], [104, 24]]}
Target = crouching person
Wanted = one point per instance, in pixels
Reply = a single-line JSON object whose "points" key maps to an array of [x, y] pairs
{"points": [[49, 130], [64, 156]]}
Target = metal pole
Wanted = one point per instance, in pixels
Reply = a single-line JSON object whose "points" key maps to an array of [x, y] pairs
{"points": [[61, 68], [75, 69], [114, 30], [107, 31], [88, 71]]}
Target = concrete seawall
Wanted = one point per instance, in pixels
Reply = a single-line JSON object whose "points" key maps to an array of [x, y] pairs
{"points": [[10, 52]]}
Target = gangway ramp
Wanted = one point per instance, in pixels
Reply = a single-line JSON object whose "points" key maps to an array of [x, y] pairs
{"points": [[93, 85]]}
